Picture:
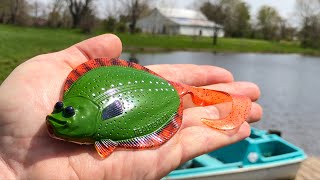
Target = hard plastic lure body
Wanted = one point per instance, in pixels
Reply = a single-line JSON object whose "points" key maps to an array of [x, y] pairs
{"points": [[114, 103]]}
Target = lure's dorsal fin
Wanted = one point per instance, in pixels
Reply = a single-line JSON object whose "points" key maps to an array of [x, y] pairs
{"points": [[156, 138], [83, 68], [105, 147]]}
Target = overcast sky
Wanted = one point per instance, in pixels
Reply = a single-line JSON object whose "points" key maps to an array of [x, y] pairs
{"points": [[285, 7]]}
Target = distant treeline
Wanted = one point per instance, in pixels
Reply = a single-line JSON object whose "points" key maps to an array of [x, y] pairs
{"points": [[73, 14], [234, 15]]}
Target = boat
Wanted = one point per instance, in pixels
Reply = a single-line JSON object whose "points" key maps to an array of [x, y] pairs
{"points": [[262, 155]]}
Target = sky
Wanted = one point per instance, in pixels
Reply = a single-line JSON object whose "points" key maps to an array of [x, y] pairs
{"points": [[286, 8]]}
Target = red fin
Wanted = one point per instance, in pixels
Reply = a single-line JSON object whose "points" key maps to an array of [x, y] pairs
{"points": [[240, 105], [157, 138], [105, 147], [83, 68]]}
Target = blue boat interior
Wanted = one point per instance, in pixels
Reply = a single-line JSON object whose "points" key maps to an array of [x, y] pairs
{"points": [[261, 148]]}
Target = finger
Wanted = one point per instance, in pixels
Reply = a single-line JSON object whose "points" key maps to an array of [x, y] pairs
{"points": [[256, 113], [107, 45], [193, 74], [197, 140], [248, 89], [195, 114]]}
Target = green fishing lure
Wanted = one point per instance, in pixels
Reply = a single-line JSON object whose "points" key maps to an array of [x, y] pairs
{"points": [[114, 103]]}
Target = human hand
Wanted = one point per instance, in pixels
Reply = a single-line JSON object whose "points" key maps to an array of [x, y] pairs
{"points": [[28, 95]]}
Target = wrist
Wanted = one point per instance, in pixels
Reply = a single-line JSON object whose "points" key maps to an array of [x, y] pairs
{"points": [[5, 171]]}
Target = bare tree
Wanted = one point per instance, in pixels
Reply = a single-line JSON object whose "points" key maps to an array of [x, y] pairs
{"points": [[112, 9], [66, 19], [4, 10], [37, 9], [13, 11], [78, 10], [287, 32], [135, 9], [88, 22], [309, 14], [17, 9], [56, 10], [307, 8]]}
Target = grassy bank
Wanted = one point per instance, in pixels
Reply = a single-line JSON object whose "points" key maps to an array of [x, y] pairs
{"points": [[163, 42], [20, 43]]}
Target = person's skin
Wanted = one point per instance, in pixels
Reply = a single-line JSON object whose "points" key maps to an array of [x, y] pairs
{"points": [[32, 89]]}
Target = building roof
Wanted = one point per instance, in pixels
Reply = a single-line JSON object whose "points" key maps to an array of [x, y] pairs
{"points": [[186, 17]]}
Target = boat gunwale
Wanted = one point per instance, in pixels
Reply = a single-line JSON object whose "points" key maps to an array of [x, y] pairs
{"points": [[253, 167]]}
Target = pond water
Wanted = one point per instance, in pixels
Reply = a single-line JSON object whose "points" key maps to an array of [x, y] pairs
{"points": [[290, 87]]}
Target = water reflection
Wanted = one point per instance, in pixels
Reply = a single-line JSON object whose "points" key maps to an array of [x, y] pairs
{"points": [[132, 58], [289, 86]]}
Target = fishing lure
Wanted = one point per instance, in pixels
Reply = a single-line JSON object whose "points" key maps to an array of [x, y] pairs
{"points": [[114, 103]]}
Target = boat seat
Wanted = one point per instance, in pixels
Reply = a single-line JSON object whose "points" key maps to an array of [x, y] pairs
{"points": [[206, 160]]}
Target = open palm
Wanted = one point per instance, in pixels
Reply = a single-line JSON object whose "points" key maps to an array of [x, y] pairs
{"points": [[32, 89]]}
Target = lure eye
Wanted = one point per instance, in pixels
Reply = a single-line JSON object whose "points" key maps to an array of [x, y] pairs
{"points": [[58, 106], [69, 111]]}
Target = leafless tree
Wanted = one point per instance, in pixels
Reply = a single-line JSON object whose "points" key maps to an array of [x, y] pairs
{"points": [[135, 9], [57, 8], [112, 9], [38, 8], [307, 8], [35, 8], [4, 10], [13, 11], [309, 12], [17, 9], [78, 10]]}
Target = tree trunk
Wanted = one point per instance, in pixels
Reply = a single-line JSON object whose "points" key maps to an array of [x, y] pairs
{"points": [[75, 21], [134, 17], [78, 9], [215, 36], [132, 26]]}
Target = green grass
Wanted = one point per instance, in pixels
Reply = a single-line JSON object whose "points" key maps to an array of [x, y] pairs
{"points": [[145, 41], [18, 44]]}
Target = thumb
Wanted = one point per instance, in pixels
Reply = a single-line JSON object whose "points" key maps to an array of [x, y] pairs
{"points": [[107, 45]]}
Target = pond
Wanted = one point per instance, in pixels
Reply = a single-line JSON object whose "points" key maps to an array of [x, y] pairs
{"points": [[289, 83]]}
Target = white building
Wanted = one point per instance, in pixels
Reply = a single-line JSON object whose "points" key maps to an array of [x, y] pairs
{"points": [[178, 21]]}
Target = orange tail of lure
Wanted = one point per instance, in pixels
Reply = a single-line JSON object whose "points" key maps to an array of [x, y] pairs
{"points": [[204, 97]]}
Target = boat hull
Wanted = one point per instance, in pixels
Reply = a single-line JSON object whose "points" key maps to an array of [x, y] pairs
{"points": [[260, 156], [280, 171]]}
